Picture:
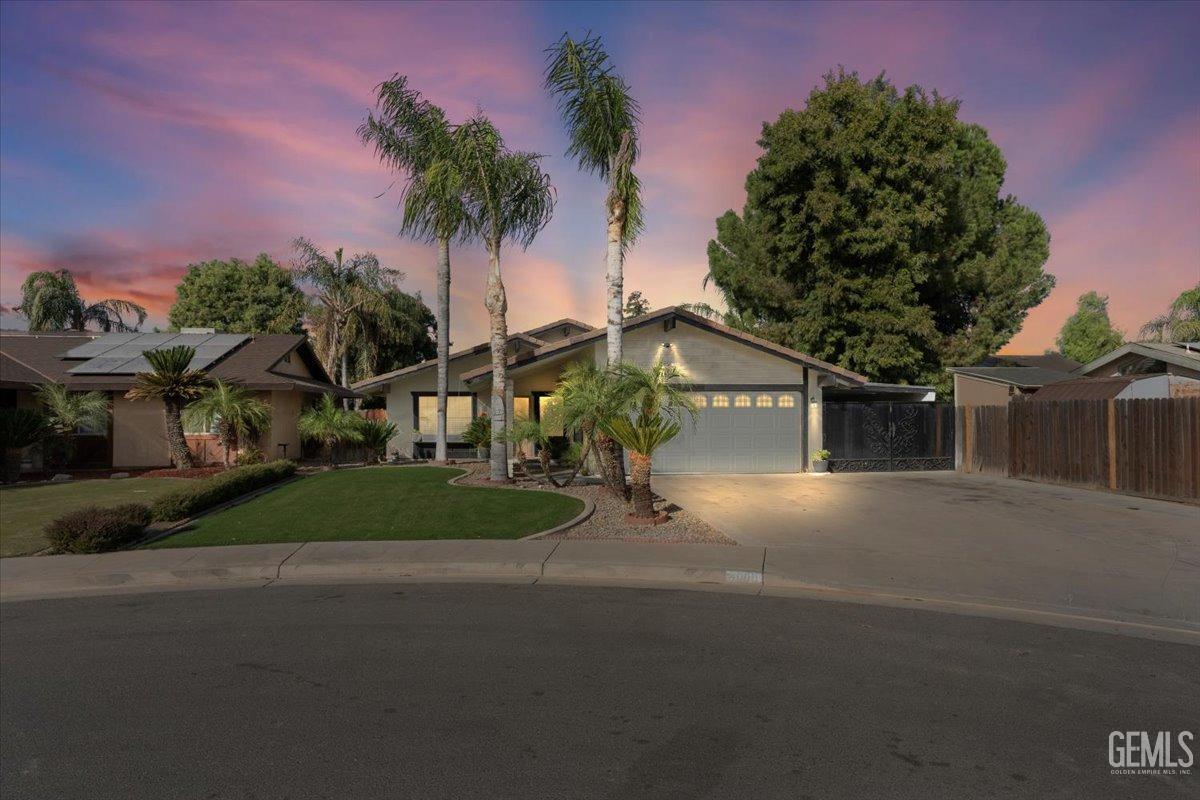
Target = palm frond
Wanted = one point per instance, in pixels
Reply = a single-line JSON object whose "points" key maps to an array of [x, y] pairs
{"points": [[660, 389], [68, 411], [169, 378], [326, 421], [232, 405], [643, 435], [109, 315]]}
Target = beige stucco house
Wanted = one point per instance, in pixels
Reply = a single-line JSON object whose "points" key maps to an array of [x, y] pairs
{"points": [[760, 404], [281, 368]]}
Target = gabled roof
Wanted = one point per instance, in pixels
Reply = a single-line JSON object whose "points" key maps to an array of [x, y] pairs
{"points": [[689, 317], [1022, 377], [565, 321], [1055, 361], [1089, 388], [1180, 354], [379, 380], [31, 359]]}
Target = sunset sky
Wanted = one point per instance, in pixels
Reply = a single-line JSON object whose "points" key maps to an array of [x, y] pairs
{"points": [[137, 138]]}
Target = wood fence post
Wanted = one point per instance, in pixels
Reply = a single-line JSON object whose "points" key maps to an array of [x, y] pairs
{"points": [[1112, 444]]}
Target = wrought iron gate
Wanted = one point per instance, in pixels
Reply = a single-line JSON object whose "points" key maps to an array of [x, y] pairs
{"points": [[889, 436]]}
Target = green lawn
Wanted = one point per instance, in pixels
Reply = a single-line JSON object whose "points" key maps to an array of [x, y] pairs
{"points": [[380, 503], [25, 510]]}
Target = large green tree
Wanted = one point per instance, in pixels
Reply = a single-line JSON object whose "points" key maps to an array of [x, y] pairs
{"points": [[874, 235], [1088, 333], [239, 297], [396, 336]]}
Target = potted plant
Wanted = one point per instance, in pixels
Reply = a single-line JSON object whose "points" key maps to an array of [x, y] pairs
{"points": [[820, 461], [478, 434]]}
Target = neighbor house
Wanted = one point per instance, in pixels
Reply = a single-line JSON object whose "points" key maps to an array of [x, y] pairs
{"points": [[281, 369], [996, 379], [759, 404], [1164, 369]]}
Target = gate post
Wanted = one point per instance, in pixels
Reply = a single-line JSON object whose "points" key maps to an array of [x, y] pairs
{"points": [[815, 410]]}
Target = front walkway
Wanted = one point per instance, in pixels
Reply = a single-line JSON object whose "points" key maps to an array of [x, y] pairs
{"points": [[945, 534]]}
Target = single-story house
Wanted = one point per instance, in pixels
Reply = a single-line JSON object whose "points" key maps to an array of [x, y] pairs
{"points": [[281, 368], [1178, 363], [996, 379], [760, 404]]}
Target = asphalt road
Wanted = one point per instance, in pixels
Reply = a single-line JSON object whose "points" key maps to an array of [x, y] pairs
{"points": [[457, 691]]}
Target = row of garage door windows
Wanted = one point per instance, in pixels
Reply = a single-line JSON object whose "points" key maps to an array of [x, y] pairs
{"points": [[744, 401]]}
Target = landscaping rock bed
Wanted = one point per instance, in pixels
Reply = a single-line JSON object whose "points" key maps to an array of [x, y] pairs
{"points": [[608, 521]]}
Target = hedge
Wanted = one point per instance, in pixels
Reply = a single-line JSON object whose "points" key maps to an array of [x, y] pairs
{"points": [[187, 501], [94, 529]]}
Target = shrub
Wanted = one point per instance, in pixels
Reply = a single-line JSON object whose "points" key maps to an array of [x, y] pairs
{"points": [[249, 455], [478, 432], [95, 529], [187, 501]]}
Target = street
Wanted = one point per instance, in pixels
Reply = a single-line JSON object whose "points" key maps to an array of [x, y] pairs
{"points": [[431, 691]]}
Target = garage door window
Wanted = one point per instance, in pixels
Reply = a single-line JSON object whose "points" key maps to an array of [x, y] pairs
{"points": [[741, 401], [764, 401], [787, 401], [720, 401], [700, 400]]}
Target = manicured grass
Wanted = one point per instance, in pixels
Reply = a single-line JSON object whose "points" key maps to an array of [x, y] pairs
{"points": [[380, 503], [25, 510]]}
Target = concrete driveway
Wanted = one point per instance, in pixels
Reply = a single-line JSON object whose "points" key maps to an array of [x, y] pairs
{"points": [[941, 534]]}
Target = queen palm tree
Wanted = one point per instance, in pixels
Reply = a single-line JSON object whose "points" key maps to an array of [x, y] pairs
{"points": [[233, 410], [658, 399], [344, 289], [67, 412], [1181, 323], [411, 135], [329, 425], [51, 302], [602, 122], [175, 384], [509, 198]]}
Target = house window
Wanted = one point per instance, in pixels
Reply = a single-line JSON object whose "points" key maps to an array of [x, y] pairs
{"points": [[741, 401], [787, 401], [198, 427], [458, 414], [700, 400], [764, 401], [720, 401]]}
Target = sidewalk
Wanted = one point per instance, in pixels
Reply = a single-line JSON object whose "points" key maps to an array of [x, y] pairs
{"points": [[752, 570]]}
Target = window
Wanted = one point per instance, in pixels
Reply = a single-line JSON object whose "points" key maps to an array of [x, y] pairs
{"points": [[787, 401], [458, 414], [198, 427], [720, 401], [764, 401], [700, 400], [548, 416], [741, 401]]}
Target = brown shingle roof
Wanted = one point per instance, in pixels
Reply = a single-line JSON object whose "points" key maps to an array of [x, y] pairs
{"points": [[31, 359], [1087, 388]]}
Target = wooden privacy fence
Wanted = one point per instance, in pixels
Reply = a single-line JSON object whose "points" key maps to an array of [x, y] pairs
{"points": [[1144, 447]]}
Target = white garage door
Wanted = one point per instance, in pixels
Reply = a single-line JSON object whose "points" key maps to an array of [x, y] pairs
{"points": [[737, 431]]}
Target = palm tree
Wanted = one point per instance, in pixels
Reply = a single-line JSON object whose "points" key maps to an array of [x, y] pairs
{"points": [[1181, 323], [344, 289], [658, 398], [67, 412], [585, 398], [602, 122], [51, 302], [524, 430], [330, 425], [175, 384], [19, 428], [510, 199], [233, 410], [411, 135], [376, 433]]}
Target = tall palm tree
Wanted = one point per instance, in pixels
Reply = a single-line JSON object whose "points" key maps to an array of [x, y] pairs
{"points": [[510, 199], [329, 425], [585, 398], [411, 135], [1181, 323], [344, 289], [67, 412], [602, 122], [51, 302], [175, 384], [658, 398], [233, 410]]}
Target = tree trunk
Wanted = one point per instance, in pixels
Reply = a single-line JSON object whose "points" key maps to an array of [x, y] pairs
{"points": [[176, 441], [544, 460], [612, 467], [643, 500], [345, 377], [583, 456], [443, 345], [616, 283], [497, 306]]}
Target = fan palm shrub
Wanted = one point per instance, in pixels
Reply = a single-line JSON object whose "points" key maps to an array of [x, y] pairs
{"points": [[376, 433], [329, 424], [585, 397], [656, 400], [532, 431], [19, 428], [175, 384], [67, 412], [233, 411]]}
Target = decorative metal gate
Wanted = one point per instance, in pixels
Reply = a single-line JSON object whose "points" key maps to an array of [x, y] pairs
{"points": [[889, 436]]}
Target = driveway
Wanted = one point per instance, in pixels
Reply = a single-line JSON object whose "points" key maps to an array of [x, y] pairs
{"points": [[941, 534]]}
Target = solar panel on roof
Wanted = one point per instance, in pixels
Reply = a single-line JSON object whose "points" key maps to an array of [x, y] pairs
{"points": [[98, 366], [127, 357], [99, 346]]}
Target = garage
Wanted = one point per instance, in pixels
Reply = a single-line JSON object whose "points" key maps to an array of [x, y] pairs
{"points": [[738, 431]]}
